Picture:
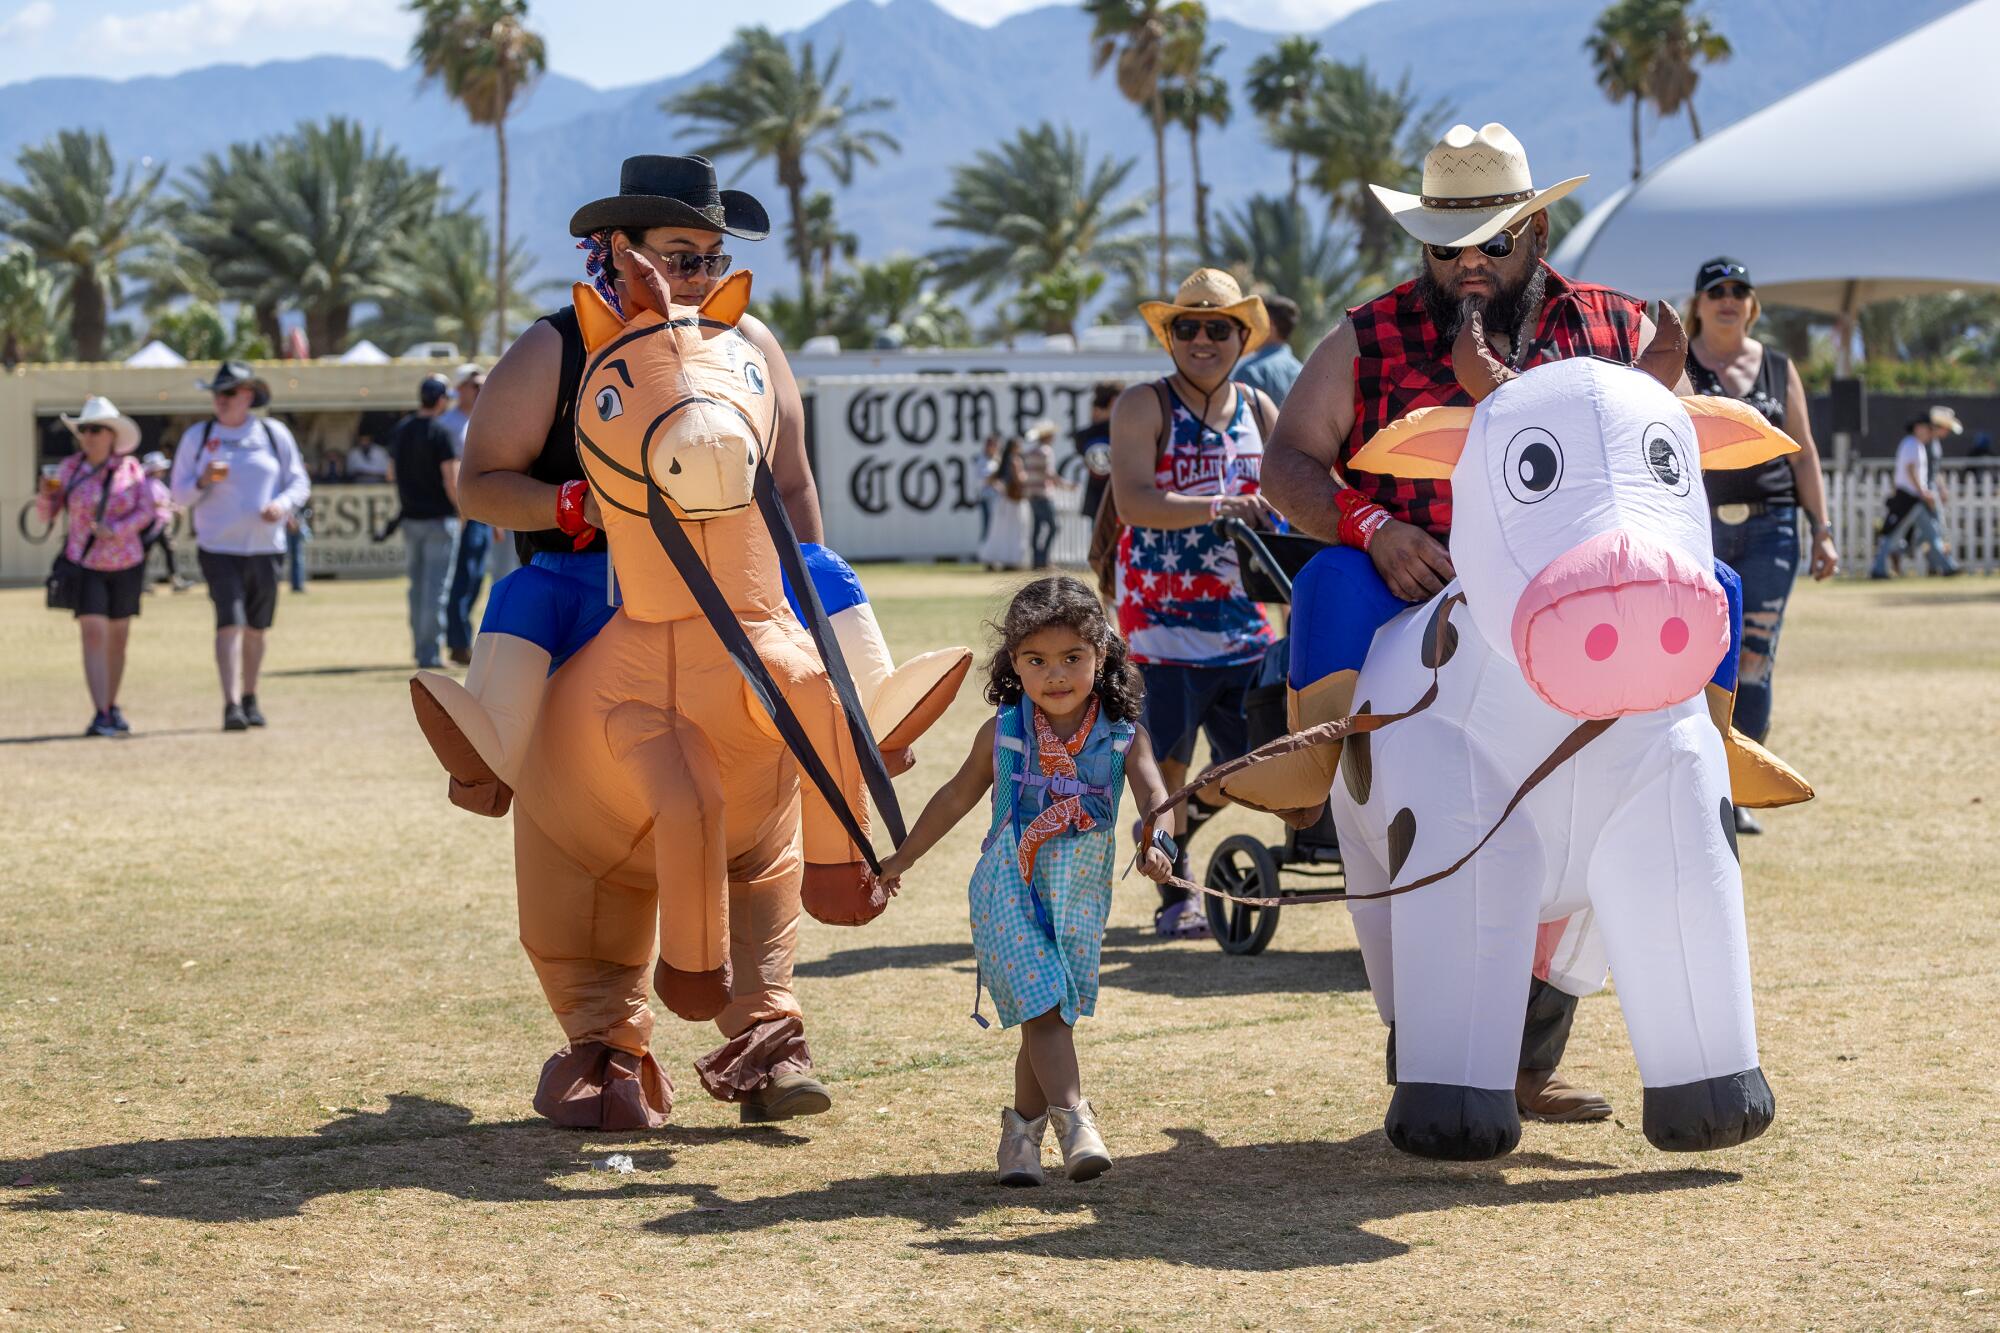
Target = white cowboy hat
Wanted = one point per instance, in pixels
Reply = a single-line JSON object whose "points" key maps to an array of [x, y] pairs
{"points": [[1943, 418], [101, 411], [1476, 183], [469, 371], [1207, 291]]}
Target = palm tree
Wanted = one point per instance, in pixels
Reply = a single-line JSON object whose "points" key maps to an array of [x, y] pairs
{"points": [[27, 307], [213, 226], [1192, 98], [1035, 204], [440, 286], [891, 303], [486, 57], [770, 106], [1356, 131], [1281, 83], [1153, 42], [1055, 300], [1271, 245], [84, 221], [1679, 40], [823, 236], [1621, 51]]}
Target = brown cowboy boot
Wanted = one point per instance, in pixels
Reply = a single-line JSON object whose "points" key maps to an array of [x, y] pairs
{"points": [[1544, 1037], [1539, 1093]]}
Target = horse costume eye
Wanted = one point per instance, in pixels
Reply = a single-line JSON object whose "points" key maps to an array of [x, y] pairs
{"points": [[609, 404], [1533, 467], [1663, 460]]}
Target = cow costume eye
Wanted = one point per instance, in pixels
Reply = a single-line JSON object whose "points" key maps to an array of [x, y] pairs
{"points": [[1533, 466], [609, 404], [1663, 459]]}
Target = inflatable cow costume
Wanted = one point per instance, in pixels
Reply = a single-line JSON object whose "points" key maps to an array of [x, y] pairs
{"points": [[1552, 780]]}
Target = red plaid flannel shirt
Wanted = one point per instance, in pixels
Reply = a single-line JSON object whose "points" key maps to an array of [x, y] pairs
{"points": [[1402, 364]]}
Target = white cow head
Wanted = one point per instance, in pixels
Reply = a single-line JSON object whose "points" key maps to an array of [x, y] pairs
{"points": [[1579, 523]]}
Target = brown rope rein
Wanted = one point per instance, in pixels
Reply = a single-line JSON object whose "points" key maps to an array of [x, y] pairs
{"points": [[1360, 724]]}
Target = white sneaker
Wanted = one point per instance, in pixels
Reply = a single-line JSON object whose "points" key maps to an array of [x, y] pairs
{"points": [[1084, 1154], [1021, 1147]]}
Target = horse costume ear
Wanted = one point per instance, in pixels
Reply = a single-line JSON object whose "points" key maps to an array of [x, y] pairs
{"points": [[727, 302], [1425, 444], [599, 322], [1733, 434]]}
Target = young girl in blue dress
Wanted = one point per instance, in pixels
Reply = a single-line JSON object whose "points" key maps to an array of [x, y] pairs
{"points": [[1055, 753]]}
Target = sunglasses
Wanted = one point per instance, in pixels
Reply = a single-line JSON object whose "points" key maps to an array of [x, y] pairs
{"points": [[1218, 330], [94, 430], [685, 263], [1497, 246], [1730, 291]]}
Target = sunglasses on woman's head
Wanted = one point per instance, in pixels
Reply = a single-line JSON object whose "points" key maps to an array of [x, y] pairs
{"points": [[1730, 291], [1497, 246], [1218, 330]]}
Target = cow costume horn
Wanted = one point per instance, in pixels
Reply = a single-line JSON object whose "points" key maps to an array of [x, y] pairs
{"points": [[1478, 371], [1665, 358]]}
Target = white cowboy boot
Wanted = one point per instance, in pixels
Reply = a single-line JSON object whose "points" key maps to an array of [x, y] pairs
{"points": [[1084, 1154], [1021, 1147]]}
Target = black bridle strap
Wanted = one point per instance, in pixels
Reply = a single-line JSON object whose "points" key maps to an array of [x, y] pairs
{"points": [[722, 619], [792, 560]]}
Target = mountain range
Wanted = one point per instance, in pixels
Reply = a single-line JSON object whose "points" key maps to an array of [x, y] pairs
{"points": [[958, 87]]}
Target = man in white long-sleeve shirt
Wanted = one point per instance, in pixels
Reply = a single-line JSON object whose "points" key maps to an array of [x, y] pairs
{"points": [[240, 477]]}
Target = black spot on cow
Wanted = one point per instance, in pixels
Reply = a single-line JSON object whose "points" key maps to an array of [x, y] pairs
{"points": [[1402, 837], [1729, 828], [1432, 658], [1357, 763]]}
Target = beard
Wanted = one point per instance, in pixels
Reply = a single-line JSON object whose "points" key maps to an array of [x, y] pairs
{"points": [[1513, 309]]}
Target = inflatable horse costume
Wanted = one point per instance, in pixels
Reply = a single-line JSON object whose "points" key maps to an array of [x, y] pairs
{"points": [[662, 827], [1533, 767]]}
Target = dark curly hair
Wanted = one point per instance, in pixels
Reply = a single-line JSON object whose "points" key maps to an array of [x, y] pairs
{"points": [[1062, 600]]}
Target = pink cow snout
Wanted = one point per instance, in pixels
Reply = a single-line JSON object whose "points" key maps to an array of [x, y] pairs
{"points": [[1620, 625]]}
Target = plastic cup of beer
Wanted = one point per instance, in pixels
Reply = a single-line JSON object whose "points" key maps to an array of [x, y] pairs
{"points": [[218, 468], [52, 477]]}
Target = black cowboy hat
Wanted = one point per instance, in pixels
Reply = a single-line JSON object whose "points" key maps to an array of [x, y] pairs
{"points": [[673, 192], [233, 375]]}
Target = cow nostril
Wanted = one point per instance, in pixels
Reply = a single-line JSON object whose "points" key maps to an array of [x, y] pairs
{"points": [[1601, 642], [1674, 634]]}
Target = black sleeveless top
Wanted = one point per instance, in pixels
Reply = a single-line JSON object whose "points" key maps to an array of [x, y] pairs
{"points": [[1774, 482], [557, 462]]}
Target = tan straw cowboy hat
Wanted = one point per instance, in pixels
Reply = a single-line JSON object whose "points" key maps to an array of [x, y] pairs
{"points": [[1476, 183], [1207, 291]]}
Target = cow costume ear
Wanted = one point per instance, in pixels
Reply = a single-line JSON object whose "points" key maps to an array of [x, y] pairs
{"points": [[727, 302], [1425, 444], [1733, 434], [598, 321]]}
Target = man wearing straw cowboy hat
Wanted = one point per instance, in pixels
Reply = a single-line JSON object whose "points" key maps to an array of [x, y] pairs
{"points": [[1483, 227], [1186, 451]]}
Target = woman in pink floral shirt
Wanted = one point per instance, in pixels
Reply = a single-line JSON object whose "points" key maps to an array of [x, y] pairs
{"points": [[102, 491]]}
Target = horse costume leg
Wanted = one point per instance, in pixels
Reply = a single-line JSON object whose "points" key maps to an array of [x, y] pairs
{"points": [[763, 1026], [1669, 897], [838, 887], [590, 940]]}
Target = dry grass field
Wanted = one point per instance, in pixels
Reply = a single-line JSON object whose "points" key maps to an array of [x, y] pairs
{"points": [[267, 1042]]}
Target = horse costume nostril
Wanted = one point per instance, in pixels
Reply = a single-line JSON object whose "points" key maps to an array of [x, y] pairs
{"points": [[674, 467]]}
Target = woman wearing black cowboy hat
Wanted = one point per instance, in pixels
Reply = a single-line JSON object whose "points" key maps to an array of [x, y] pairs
{"points": [[665, 228]]}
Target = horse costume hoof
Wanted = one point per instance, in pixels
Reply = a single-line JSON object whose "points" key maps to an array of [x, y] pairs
{"points": [[1450, 1123], [842, 895], [695, 996], [594, 1086], [492, 798], [1709, 1113], [474, 784]]}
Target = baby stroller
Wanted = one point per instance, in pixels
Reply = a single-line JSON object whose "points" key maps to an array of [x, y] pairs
{"points": [[1242, 864]]}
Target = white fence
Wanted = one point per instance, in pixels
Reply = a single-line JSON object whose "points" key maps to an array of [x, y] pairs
{"points": [[1970, 518]]}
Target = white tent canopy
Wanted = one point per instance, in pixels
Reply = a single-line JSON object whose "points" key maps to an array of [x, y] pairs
{"points": [[1881, 180], [156, 353], [364, 353]]}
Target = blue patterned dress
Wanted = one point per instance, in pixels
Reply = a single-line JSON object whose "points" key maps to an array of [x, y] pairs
{"points": [[1037, 943]]}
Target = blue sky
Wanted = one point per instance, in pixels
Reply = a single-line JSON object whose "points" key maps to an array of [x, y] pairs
{"points": [[122, 38]]}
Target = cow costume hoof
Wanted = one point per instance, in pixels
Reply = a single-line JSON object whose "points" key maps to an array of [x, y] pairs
{"points": [[594, 1086], [1449, 1123], [695, 996], [1710, 1113], [842, 895]]}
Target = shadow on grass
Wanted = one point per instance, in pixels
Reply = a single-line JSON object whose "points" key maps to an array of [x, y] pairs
{"points": [[406, 668], [120, 740], [1264, 1207], [417, 1143], [1134, 959], [1972, 596]]}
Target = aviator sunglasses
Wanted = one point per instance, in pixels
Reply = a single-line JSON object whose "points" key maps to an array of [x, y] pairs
{"points": [[685, 263], [1218, 330], [1497, 246]]}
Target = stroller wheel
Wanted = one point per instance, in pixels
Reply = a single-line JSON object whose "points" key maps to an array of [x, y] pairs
{"points": [[1245, 867]]}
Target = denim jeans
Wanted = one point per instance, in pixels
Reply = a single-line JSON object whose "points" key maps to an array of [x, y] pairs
{"points": [[1918, 531], [468, 573], [428, 545], [1764, 549], [1044, 511], [295, 554]]}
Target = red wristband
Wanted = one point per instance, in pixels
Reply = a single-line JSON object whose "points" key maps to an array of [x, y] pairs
{"points": [[1360, 518], [569, 513]]}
